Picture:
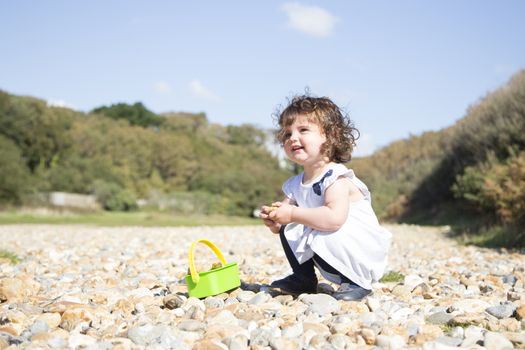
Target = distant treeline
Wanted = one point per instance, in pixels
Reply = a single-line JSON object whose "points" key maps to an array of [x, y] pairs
{"points": [[471, 174], [124, 152]]}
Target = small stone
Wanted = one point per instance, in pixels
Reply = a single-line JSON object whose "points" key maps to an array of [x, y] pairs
{"points": [[237, 342], [213, 303], [123, 306], [340, 341], [439, 318], [450, 341], [353, 307], [412, 281], [191, 325], [140, 293], [278, 344], [436, 345], [421, 289], [57, 343], [74, 316], [373, 303], [502, 311], [368, 335], [472, 306], [509, 324], [496, 341], [513, 296], [474, 332], [230, 301], [318, 328], [318, 342], [261, 337], [283, 299], [392, 342], [38, 327], [145, 334], [426, 333], [18, 288], [402, 292], [77, 340], [245, 295], [321, 304], [457, 332], [172, 301], [11, 330], [224, 317], [520, 312], [293, 331], [209, 344], [259, 298], [518, 339], [509, 279], [468, 319], [195, 313], [52, 319]]}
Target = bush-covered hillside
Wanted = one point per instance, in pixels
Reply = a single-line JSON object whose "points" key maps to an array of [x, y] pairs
{"points": [[124, 152], [472, 173]]}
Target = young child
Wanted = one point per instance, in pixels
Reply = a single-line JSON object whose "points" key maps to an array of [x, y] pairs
{"points": [[326, 218]]}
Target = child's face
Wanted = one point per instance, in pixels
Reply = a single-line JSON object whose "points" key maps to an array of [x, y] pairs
{"points": [[303, 141]]}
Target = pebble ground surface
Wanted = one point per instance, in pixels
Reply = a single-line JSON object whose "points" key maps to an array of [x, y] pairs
{"points": [[82, 287]]}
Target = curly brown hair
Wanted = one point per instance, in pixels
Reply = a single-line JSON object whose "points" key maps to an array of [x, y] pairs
{"points": [[339, 130]]}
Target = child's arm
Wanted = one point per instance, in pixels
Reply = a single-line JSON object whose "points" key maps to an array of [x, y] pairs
{"points": [[329, 217]]}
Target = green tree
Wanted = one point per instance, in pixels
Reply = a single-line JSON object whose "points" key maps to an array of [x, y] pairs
{"points": [[174, 159], [136, 114], [39, 131], [181, 122], [113, 197], [245, 134], [14, 175]]}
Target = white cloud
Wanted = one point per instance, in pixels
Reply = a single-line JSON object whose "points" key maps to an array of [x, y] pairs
{"points": [[365, 146], [201, 91], [59, 103], [311, 20], [162, 87]]}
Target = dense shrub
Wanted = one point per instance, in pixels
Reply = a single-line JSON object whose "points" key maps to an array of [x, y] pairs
{"points": [[40, 132], [14, 175], [113, 197], [496, 188], [136, 114]]}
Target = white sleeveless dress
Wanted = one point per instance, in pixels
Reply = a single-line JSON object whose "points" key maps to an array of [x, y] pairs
{"points": [[358, 249]]}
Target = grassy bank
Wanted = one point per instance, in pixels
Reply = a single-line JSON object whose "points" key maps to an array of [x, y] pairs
{"points": [[140, 218]]}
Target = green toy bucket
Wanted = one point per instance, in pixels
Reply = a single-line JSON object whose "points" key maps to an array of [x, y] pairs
{"points": [[214, 281]]}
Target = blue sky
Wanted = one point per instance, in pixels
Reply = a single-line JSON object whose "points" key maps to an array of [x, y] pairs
{"points": [[398, 67]]}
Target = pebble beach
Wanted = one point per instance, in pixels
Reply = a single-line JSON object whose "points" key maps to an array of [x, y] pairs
{"points": [[86, 287]]}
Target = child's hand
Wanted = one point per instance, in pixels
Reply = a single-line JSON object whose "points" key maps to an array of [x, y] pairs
{"points": [[272, 225], [282, 213]]}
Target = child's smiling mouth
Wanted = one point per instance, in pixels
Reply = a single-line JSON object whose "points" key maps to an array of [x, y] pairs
{"points": [[297, 148]]}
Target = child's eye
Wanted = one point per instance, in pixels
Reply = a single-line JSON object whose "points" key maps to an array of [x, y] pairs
{"points": [[287, 135], [304, 129]]}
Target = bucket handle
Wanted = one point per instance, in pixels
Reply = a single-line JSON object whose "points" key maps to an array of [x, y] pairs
{"points": [[193, 271]]}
